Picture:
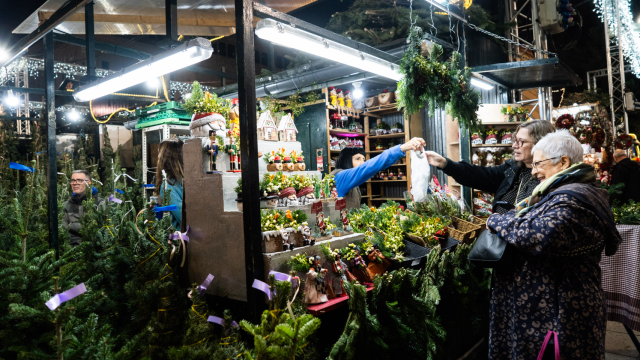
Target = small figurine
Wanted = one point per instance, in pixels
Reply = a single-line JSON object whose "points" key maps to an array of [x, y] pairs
{"points": [[392, 175], [340, 98], [335, 277], [334, 193], [306, 195], [287, 197], [314, 289], [378, 263], [306, 235], [476, 159], [491, 137], [232, 149], [359, 268], [401, 175], [322, 227], [202, 123], [212, 148], [490, 160], [348, 99], [605, 177], [346, 274], [333, 95], [507, 138], [286, 243], [346, 226], [287, 165]]}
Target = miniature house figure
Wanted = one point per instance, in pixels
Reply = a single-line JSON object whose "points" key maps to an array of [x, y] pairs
{"points": [[267, 129], [287, 129]]}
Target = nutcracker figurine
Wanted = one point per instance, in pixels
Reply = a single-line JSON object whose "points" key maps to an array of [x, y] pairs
{"points": [[232, 150], [346, 226], [213, 150]]}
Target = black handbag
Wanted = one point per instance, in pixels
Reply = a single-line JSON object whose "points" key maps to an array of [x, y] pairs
{"points": [[491, 251]]}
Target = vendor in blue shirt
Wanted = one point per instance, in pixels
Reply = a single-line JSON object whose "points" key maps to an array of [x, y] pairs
{"points": [[170, 160], [352, 170]]}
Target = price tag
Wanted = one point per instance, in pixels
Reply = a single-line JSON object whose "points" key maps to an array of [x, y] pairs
{"points": [[341, 204], [316, 207]]}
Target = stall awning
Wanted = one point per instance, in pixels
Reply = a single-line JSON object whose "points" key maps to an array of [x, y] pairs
{"points": [[147, 17], [529, 74]]}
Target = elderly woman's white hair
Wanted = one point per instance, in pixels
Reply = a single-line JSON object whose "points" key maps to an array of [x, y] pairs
{"points": [[558, 144]]}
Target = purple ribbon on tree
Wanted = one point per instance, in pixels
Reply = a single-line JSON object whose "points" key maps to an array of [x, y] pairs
{"points": [[202, 288], [175, 236], [58, 299], [219, 321], [262, 286], [114, 199], [280, 276]]}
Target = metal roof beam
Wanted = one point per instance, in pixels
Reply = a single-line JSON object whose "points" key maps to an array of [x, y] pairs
{"points": [[66, 10]]}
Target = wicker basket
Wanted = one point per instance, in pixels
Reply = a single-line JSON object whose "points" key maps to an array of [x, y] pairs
{"points": [[463, 231], [480, 222]]}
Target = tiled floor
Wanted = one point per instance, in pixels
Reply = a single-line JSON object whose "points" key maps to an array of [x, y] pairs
{"points": [[618, 344]]}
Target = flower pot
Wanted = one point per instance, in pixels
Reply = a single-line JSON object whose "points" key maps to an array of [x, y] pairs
{"points": [[274, 167], [239, 203], [371, 101], [301, 166], [505, 117], [385, 98], [288, 166], [379, 132]]}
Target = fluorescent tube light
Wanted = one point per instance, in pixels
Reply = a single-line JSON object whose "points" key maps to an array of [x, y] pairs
{"points": [[190, 53], [481, 84], [285, 35]]}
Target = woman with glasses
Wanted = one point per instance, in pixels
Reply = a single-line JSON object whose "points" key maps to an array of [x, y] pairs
{"points": [[511, 181], [553, 283]]}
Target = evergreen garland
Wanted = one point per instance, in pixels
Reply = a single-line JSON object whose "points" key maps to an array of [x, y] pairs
{"points": [[440, 84]]}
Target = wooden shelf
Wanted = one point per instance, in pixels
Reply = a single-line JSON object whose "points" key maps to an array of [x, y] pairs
{"points": [[384, 181], [380, 109], [399, 165], [455, 184], [346, 132], [491, 145], [374, 151], [369, 196], [335, 151], [503, 123], [387, 136]]}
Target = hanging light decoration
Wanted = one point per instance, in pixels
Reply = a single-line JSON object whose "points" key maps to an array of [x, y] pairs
{"points": [[630, 37]]}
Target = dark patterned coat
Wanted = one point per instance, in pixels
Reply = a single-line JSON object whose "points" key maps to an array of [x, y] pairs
{"points": [[554, 284]]}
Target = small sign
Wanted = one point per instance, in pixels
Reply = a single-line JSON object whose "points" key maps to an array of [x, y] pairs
{"points": [[319, 160], [341, 203], [316, 207]]}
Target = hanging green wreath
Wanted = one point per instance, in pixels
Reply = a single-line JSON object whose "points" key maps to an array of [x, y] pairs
{"points": [[441, 84]]}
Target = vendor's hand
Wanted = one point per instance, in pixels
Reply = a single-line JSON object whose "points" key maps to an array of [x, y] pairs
{"points": [[414, 144], [435, 159]]}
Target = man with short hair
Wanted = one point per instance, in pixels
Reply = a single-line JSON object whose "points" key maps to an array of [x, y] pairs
{"points": [[73, 211], [627, 172]]}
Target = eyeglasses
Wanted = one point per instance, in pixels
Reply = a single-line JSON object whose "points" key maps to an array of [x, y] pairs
{"points": [[77, 181], [521, 142], [537, 163]]}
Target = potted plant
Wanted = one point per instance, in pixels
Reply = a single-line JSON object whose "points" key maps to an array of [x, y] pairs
{"points": [[398, 128], [379, 145], [209, 112], [298, 160], [381, 128], [505, 111], [522, 113], [238, 190]]}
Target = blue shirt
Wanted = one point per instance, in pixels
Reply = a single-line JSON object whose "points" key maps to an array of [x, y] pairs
{"points": [[176, 199], [350, 178]]}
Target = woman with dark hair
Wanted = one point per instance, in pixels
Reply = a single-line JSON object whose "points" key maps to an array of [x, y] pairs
{"points": [[352, 170], [170, 161]]}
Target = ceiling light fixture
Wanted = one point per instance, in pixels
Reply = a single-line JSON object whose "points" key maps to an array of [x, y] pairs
{"points": [[481, 84], [285, 35], [73, 115], [190, 53], [357, 92]]}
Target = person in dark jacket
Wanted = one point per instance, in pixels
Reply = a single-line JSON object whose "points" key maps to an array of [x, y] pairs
{"points": [[73, 211], [554, 281], [511, 181], [627, 172]]}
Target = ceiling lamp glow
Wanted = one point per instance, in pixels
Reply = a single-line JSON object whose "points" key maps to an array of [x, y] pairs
{"points": [[190, 53], [285, 35], [481, 84]]}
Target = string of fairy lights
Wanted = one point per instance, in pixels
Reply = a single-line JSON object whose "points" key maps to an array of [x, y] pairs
{"points": [[72, 71], [629, 36]]}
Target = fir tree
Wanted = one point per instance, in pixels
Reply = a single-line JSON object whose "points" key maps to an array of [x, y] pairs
{"points": [[108, 157], [199, 341]]}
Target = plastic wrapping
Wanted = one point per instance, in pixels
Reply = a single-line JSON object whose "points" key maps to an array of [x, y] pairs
{"points": [[420, 171]]}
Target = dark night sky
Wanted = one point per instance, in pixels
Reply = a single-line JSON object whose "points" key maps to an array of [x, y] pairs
{"points": [[12, 16]]}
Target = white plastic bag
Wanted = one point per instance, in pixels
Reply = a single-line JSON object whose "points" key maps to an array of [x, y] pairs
{"points": [[420, 171]]}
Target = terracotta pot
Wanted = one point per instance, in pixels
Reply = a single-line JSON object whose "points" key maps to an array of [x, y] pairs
{"points": [[274, 167], [371, 101]]}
